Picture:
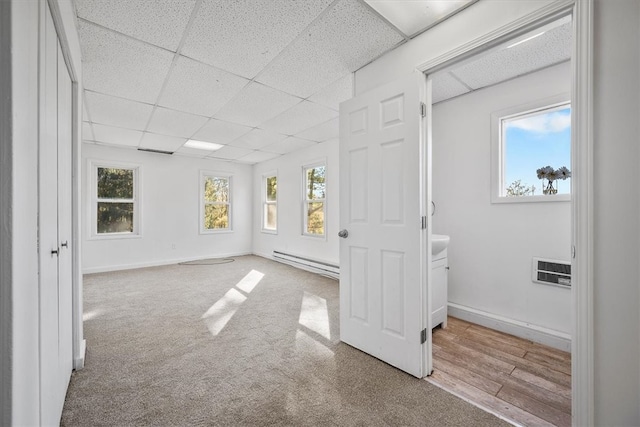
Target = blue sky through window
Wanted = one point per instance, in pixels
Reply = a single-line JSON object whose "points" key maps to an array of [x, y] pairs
{"points": [[535, 141]]}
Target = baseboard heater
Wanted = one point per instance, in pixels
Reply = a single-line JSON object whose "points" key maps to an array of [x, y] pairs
{"points": [[308, 264]]}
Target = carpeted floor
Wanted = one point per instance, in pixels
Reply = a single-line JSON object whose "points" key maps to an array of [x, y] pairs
{"points": [[252, 342]]}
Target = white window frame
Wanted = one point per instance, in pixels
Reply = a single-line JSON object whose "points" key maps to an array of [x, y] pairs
{"points": [[203, 175], [266, 202], [93, 206], [497, 149], [306, 201]]}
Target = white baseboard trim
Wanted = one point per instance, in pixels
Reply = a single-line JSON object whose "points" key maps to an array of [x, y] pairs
{"points": [[108, 268], [78, 363], [539, 334]]}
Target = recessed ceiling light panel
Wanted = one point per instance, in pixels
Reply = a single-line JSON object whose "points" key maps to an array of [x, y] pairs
{"points": [[202, 145]]}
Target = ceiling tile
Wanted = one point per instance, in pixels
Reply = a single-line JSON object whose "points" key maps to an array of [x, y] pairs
{"points": [[337, 92], [341, 41], [445, 86], [192, 152], [161, 142], [301, 117], [160, 22], [257, 157], [257, 138], [175, 123], [113, 111], [198, 88], [229, 152], [243, 36], [87, 132], [220, 132], [85, 115], [256, 104], [552, 47], [322, 132], [288, 145], [116, 136], [120, 66]]}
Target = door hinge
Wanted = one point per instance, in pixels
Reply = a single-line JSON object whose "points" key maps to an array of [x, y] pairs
{"points": [[424, 222], [423, 336], [573, 252], [423, 109]]}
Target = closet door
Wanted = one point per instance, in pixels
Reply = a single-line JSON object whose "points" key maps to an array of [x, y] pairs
{"points": [[65, 210], [50, 402]]}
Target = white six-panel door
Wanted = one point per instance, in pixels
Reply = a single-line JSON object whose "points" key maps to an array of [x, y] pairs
{"points": [[383, 284]]}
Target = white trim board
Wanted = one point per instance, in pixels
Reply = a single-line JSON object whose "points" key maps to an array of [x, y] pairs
{"points": [[132, 266], [539, 334]]}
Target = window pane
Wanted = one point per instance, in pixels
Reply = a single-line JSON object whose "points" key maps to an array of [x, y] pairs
{"points": [[315, 218], [115, 217], [216, 216], [115, 183], [271, 188], [270, 216], [316, 183], [533, 142], [216, 189]]}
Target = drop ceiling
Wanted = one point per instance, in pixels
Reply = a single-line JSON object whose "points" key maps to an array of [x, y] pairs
{"points": [[262, 78]]}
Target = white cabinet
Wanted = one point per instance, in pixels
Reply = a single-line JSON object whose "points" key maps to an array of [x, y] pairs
{"points": [[439, 272]]}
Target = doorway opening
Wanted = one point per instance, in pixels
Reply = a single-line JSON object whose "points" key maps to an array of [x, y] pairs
{"points": [[501, 188]]}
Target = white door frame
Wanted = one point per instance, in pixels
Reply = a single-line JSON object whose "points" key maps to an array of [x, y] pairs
{"points": [[582, 389], [79, 344]]}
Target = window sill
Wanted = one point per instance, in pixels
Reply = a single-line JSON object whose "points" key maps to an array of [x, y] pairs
{"points": [[315, 236], [267, 231], [532, 199], [222, 231]]}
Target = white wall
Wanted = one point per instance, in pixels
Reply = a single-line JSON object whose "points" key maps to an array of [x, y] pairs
{"points": [[492, 244], [616, 215], [289, 237], [170, 206]]}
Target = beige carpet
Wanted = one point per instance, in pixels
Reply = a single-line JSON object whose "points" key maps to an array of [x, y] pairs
{"points": [[252, 342]]}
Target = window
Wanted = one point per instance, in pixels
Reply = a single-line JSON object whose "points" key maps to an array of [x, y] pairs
{"points": [[215, 202], [314, 199], [115, 198], [533, 154], [270, 203]]}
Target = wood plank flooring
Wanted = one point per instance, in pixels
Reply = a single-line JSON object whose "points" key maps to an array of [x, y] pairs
{"points": [[525, 382]]}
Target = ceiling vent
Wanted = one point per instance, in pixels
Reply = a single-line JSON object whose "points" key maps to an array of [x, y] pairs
{"points": [[151, 150], [551, 272]]}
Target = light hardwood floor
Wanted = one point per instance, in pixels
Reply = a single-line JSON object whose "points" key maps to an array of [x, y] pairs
{"points": [[525, 382]]}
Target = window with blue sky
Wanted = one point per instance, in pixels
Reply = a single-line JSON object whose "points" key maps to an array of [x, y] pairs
{"points": [[536, 149]]}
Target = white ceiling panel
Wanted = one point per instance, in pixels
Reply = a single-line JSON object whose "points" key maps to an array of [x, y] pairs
{"points": [[256, 104], [116, 136], [87, 132], [159, 22], [113, 111], [257, 139], [85, 115], [161, 142], [552, 47], [303, 116], [322, 132], [229, 152], [120, 66], [257, 157], [220, 132], [243, 36], [192, 152], [198, 88], [445, 86], [337, 92], [175, 123], [288, 145], [341, 41]]}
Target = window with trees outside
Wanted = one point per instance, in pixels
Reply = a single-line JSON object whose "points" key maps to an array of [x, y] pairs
{"points": [[270, 203], [314, 199], [216, 202], [116, 198], [535, 154]]}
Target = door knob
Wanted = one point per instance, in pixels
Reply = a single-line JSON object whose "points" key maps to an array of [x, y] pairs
{"points": [[343, 233]]}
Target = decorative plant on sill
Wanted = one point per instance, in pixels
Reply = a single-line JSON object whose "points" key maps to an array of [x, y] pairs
{"points": [[552, 175]]}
